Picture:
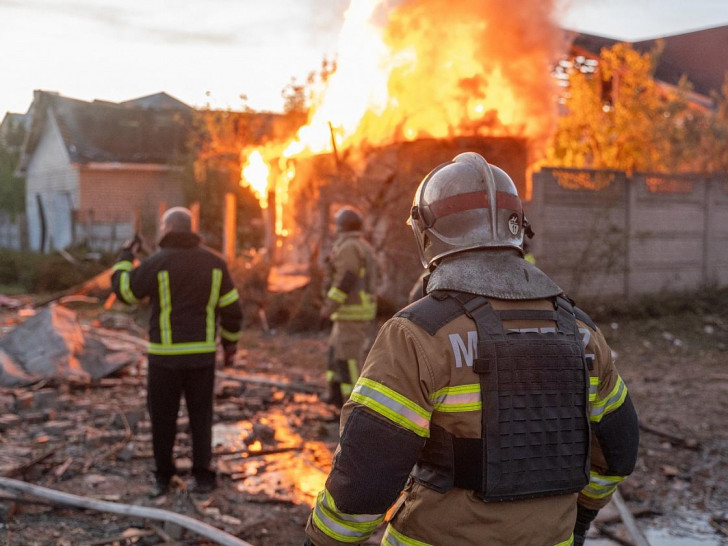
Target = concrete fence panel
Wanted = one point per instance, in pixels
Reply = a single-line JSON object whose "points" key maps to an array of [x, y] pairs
{"points": [[606, 234]]}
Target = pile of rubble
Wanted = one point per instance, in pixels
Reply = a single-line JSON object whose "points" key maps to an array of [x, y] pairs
{"points": [[73, 425]]}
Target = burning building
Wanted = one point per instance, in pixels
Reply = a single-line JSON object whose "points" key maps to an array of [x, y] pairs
{"points": [[417, 82]]}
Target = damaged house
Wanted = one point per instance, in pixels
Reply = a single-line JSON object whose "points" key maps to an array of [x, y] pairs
{"points": [[97, 170]]}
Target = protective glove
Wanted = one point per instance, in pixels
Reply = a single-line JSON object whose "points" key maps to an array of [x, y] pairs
{"points": [[584, 517], [228, 358], [133, 245]]}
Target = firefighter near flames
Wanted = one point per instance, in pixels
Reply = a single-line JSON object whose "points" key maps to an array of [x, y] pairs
{"points": [[488, 412], [350, 303]]}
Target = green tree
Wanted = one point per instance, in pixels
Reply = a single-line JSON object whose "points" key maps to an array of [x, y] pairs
{"points": [[12, 188]]}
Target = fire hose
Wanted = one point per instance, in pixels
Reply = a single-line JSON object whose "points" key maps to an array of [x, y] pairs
{"points": [[191, 524]]}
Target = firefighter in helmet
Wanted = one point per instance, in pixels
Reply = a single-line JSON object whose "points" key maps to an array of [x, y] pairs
{"points": [[489, 411], [350, 303]]}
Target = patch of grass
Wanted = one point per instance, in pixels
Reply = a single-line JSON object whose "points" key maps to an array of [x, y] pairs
{"points": [[706, 301], [31, 272], [11, 289]]}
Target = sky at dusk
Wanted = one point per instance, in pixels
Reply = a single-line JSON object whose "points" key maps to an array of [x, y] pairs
{"points": [[211, 53]]}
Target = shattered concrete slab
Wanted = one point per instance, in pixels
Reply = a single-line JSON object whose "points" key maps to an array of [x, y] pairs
{"points": [[52, 345]]}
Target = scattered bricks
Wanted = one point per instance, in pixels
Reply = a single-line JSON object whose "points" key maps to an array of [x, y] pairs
{"points": [[127, 452], [230, 389], [184, 465], [58, 428], [24, 401], [7, 511], [174, 531], [9, 420], [102, 410], [7, 403], [33, 417], [45, 398], [133, 417]]}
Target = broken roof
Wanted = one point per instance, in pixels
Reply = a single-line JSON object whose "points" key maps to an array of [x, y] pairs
{"points": [[151, 129], [699, 55]]}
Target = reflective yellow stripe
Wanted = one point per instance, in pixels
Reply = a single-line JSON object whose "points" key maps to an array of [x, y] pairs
{"points": [[593, 387], [353, 367], [165, 308], [610, 403], [332, 376], [366, 310], [339, 296], [347, 528], [601, 486], [393, 406], [123, 265], [125, 289], [230, 336], [230, 297], [568, 542], [457, 399], [211, 304], [181, 348], [392, 537]]}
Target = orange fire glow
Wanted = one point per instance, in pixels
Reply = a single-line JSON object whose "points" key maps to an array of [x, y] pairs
{"points": [[415, 69]]}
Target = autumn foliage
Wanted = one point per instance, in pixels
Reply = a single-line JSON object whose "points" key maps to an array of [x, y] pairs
{"points": [[616, 116]]}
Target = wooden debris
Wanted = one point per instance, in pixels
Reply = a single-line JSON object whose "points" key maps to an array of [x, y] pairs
{"points": [[294, 387], [129, 534], [19, 471], [629, 521], [245, 454], [719, 525], [688, 443]]}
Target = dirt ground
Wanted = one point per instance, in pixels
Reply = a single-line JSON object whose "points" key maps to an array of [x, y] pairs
{"points": [[274, 441]]}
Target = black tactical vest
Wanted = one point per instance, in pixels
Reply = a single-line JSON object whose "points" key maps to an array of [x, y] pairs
{"points": [[534, 387]]}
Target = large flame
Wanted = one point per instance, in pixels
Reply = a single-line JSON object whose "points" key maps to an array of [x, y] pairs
{"points": [[427, 68]]}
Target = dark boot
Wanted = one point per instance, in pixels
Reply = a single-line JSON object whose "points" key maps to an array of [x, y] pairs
{"points": [[160, 486], [205, 482]]}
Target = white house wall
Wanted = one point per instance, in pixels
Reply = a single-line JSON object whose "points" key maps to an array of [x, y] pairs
{"points": [[52, 178]]}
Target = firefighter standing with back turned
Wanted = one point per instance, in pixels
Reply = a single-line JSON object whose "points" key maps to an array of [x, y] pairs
{"points": [[493, 403], [192, 299], [349, 301]]}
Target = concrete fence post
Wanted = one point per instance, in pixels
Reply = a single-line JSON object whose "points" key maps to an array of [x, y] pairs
{"points": [[630, 203], [709, 212]]}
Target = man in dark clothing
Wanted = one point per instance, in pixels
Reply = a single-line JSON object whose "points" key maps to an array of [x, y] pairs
{"points": [[192, 298]]}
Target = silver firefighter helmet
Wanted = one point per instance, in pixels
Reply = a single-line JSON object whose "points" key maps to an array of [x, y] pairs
{"points": [[463, 205]]}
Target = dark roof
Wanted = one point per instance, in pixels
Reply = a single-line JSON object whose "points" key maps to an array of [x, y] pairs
{"points": [[699, 55], [108, 132], [158, 101]]}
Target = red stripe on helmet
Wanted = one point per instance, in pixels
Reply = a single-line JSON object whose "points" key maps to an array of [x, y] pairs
{"points": [[473, 200], [459, 203], [508, 201]]}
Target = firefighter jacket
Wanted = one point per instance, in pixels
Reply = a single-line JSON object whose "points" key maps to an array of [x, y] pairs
{"points": [[351, 279], [417, 382], [191, 293]]}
